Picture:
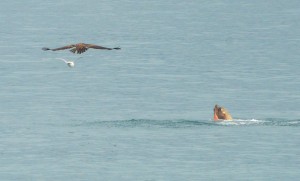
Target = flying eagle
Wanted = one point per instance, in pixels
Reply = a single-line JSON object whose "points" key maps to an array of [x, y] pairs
{"points": [[81, 48]]}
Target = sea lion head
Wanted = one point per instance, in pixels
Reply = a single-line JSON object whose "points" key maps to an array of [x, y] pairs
{"points": [[221, 113]]}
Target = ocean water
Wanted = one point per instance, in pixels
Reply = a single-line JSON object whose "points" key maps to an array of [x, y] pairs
{"points": [[145, 112]]}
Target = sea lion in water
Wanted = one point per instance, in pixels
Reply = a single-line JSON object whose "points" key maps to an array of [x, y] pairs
{"points": [[221, 113]]}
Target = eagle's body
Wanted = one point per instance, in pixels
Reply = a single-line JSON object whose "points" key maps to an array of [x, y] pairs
{"points": [[81, 48]]}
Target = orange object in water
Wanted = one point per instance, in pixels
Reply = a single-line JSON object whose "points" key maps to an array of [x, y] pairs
{"points": [[215, 117]]}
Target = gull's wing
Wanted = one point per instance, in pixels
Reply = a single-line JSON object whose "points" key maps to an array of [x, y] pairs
{"points": [[62, 60]]}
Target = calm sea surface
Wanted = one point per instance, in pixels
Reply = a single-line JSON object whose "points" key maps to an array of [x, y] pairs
{"points": [[145, 112]]}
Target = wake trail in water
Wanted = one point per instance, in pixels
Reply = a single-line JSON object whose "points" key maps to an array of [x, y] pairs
{"points": [[187, 123]]}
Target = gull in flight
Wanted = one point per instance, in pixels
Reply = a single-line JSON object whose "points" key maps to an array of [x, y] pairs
{"points": [[80, 48], [70, 63]]}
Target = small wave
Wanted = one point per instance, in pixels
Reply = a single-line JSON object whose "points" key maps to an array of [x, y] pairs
{"points": [[246, 122], [257, 122], [282, 122], [148, 123]]}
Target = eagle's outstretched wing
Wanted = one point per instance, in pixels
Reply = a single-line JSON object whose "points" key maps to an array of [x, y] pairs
{"points": [[63, 48], [60, 48], [100, 47]]}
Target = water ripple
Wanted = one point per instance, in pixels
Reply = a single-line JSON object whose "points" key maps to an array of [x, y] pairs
{"points": [[187, 123]]}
